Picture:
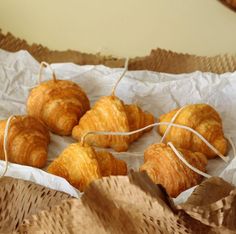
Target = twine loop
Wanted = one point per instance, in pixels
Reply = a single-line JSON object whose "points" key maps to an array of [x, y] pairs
{"points": [[45, 65], [5, 144], [122, 75], [178, 154]]}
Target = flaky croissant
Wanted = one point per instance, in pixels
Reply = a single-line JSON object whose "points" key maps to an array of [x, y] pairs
{"points": [[165, 168], [110, 114], [205, 120], [28, 140], [109, 165], [137, 119], [59, 104], [81, 164]]}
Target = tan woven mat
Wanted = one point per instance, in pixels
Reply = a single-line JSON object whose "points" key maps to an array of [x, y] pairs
{"points": [[159, 60], [20, 199], [128, 204], [118, 204]]}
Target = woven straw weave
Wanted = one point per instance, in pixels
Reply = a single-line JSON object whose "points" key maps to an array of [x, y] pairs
{"points": [[20, 199], [131, 205], [10, 43], [159, 60], [119, 204]]}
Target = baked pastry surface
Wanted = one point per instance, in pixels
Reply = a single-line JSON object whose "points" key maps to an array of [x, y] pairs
{"points": [[59, 104], [110, 114], [165, 168], [28, 140], [81, 164], [205, 120], [109, 165]]}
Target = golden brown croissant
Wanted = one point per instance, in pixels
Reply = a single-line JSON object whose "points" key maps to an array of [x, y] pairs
{"points": [[77, 164], [110, 114], [109, 165], [137, 119], [81, 164], [205, 120], [28, 139], [59, 104], [165, 168]]}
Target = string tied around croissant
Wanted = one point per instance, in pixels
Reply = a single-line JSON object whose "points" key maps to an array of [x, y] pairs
{"points": [[181, 157], [226, 159], [5, 144], [122, 75], [154, 125], [178, 153], [173, 120], [45, 65]]}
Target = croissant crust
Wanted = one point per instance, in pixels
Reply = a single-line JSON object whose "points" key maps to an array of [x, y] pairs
{"points": [[109, 165], [81, 164], [111, 114], [59, 104], [28, 139], [165, 168], [205, 120]]}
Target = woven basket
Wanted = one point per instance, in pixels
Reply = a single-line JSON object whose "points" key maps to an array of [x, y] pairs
{"points": [[21, 199], [159, 60], [128, 204], [117, 205]]}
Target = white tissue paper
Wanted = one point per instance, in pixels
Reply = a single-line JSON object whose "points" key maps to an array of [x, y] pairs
{"points": [[155, 92]]}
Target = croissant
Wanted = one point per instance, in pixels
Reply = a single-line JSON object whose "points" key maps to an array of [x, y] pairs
{"points": [[165, 168], [109, 165], [28, 140], [110, 114], [81, 164], [205, 120], [137, 119], [59, 104]]}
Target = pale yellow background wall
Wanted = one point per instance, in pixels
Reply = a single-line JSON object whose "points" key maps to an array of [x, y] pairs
{"points": [[123, 27]]}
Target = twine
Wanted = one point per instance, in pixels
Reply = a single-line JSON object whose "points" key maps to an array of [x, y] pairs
{"points": [[232, 145], [178, 154], [154, 125], [172, 121], [122, 75], [208, 144], [44, 65], [5, 144]]}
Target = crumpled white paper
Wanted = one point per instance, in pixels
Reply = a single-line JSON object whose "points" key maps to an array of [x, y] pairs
{"points": [[155, 92], [40, 177]]}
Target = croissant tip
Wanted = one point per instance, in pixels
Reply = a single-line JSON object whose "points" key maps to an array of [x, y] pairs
{"points": [[38, 158]]}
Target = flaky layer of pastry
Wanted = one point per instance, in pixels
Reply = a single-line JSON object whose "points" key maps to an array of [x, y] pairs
{"points": [[205, 120], [77, 164], [110, 114], [81, 164], [28, 140], [165, 168], [59, 104], [109, 165], [137, 119]]}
